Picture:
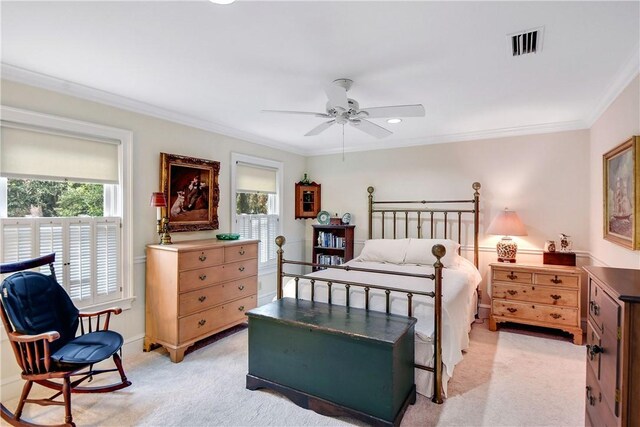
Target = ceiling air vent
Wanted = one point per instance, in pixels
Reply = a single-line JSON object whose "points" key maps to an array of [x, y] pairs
{"points": [[525, 42]]}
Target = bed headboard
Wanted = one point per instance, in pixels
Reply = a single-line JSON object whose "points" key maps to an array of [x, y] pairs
{"points": [[441, 216]]}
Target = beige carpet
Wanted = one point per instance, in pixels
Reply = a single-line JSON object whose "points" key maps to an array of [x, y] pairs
{"points": [[506, 379]]}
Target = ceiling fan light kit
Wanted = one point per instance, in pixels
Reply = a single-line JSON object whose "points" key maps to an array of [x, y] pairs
{"points": [[344, 110]]}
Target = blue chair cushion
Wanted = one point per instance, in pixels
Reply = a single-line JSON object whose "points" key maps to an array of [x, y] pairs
{"points": [[36, 303], [87, 349]]}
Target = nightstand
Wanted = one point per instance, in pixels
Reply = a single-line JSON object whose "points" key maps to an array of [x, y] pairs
{"points": [[540, 295]]}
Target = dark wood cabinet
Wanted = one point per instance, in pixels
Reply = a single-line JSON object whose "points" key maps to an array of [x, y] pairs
{"points": [[332, 244], [613, 347], [307, 200]]}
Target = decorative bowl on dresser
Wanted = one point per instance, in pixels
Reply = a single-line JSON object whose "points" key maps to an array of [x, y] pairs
{"points": [[197, 288], [539, 295], [613, 347]]}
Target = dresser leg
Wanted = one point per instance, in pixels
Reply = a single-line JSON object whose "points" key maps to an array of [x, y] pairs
{"points": [[492, 324], [176, 355], [147, 344], [577, 336]]}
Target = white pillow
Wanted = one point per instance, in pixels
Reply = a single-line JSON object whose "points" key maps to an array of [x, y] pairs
{"points": [[419, 252], [384, 250]]}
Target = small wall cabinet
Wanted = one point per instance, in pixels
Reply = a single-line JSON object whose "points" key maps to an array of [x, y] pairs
{"points": [[307, 200], [332, 244]]}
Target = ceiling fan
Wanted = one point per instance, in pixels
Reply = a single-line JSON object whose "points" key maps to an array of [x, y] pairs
{"points": [[343, 110]]}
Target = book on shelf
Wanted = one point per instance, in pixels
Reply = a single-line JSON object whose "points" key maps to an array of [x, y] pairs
{"points": [[329, 260], [330, 240]]}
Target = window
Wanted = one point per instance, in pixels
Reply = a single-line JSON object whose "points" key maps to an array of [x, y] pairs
{"points": [[257, 188], [63, 189]]}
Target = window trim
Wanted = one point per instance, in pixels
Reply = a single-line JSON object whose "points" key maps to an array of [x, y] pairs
{"points": [[268, 267], [124, 139]]}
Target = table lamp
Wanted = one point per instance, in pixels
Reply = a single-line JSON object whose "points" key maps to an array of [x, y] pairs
{"points": [[507, 223], [159, 200]]}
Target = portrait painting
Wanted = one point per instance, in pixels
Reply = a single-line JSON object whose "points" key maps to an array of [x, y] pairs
{"points": [[191, 185], [622, 194]]}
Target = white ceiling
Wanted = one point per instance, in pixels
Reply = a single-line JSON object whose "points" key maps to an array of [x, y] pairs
{"points": [[217, 67]]}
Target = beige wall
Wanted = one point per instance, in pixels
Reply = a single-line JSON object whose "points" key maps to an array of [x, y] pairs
{"points": [[542, 177], [619, 122], [150, 137]]}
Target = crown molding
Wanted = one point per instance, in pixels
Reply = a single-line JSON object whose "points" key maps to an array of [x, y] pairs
{"points": [[464, 136], [627, 73], [65, 87]]}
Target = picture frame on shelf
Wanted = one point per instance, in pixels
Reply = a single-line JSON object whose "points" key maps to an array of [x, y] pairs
{"points": [[621, 198], [191, 185]]}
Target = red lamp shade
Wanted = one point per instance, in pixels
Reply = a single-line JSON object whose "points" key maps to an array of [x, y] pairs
{"points": [[158, 200]]}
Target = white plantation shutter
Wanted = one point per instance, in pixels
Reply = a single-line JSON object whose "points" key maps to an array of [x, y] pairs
{"points": [[107, 260], [51, 240], [17, 240], [262, 227], [80, 256]]}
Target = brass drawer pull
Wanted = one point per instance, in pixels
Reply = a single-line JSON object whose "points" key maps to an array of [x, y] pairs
{"points": [[203, 276], [241, 308], [241, 287], [512, 276], [241, 268], [202, 322], [590, 397], [556, 280], [555, 297], [202, 298], [512, 292], [512, 310], [593, 350], [595, 308], [241, 251], [555, 315], [202, 257]]}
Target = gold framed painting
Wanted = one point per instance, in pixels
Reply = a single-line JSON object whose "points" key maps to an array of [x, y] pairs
{"points": [[622, 194], [193, 194]]}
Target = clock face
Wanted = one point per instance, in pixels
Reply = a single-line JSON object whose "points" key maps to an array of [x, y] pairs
{"points": [[346, 218]]}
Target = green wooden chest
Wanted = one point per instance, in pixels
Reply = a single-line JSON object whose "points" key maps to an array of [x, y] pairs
{"points": [[333, 359]]}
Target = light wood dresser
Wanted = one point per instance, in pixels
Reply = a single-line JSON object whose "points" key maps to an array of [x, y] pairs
{"points": [[197, 288], [540, 295], [613, 347]]}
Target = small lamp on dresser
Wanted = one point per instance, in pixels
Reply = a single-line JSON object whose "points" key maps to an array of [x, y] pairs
{"points": [[507, 223], [159, 200]]}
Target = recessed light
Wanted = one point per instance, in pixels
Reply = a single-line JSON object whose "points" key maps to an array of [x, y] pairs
{"points": [[222, 1], [394, 121]]}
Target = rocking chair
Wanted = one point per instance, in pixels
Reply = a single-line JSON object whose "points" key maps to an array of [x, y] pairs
{"points": [[41, 322]]}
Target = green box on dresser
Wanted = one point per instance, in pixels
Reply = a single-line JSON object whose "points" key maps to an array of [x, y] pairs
{"points": [[333, 359]]}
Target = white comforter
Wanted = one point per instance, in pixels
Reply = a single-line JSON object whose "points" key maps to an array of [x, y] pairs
{"points": [[458, 286]]}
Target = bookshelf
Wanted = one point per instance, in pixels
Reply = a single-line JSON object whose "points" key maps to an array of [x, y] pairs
{"points": [[332, 244]]}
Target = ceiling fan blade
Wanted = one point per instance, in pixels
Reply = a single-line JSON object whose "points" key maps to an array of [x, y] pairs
{"points": [[370, 128], [337, 96], [394, 111], [306, 113], [320, 128]]}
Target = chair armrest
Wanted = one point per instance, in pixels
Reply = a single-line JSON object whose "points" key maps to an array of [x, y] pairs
{"points": [[49, 336], [114, 310], [93, 322]]}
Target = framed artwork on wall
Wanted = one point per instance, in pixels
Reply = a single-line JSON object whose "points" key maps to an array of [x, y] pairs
{"points": [[191, 187], [622, 194]]}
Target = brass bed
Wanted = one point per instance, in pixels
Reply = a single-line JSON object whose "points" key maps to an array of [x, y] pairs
{"points": [[445, 218]]}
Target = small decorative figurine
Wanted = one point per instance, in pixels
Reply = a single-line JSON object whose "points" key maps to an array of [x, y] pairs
{"points": [[564, 243], [305, 180], [550, 246]]}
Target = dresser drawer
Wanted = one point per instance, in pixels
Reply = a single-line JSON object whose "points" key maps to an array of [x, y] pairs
{"points": [[191, 302], [202, 323], [598, 413], [512, 276], [538, 313], [198, 259], [195, 279], [556, 280], [236, 270], [537, 294], [240, 252]]}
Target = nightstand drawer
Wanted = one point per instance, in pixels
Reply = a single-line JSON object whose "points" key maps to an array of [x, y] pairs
{"points": [[552, 315], [556, 280], [512, 276], [537, 294]]}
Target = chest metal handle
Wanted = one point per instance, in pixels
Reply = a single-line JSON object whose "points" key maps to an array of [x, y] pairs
{"points": [[202, 257], [203, 276], [555, 315], [241, 268], [512, 276], [202, 322], [556, 280], [595, 308], [241, 287], [241, 308], [512, 292], [241, 251], [512, 310], [555, 297], [202, 298]]}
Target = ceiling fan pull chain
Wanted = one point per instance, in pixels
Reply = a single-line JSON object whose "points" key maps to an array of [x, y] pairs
{"points": [[343, 142]]}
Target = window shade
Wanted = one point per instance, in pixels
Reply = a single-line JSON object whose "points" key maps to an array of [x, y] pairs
{"points": [[28, 153], [251, 179]]}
